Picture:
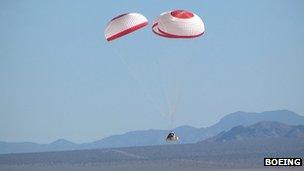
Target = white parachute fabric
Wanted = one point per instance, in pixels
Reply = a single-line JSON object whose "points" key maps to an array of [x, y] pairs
{"points": [[178, 24], [124, 24], [156, 24]]}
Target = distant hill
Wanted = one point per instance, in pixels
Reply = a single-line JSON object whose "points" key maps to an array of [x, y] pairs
{"points": [[26, 147], [260, 130], [190, 134], [147, 137], [133, 138], [187, 134], [247, 118]]}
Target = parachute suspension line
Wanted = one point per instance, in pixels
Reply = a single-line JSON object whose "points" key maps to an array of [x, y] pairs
{"points": [[171, 121], [156, 106], [171, 97], [177, 97], [164, 93], [174, 99]]}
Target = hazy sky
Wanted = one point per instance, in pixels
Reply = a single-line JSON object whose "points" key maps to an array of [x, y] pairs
{"points": [[59, 78]]}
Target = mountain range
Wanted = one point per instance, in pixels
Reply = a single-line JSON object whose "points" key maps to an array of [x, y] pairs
{"points": [[239, 121], [240, 148], [260, 130]]}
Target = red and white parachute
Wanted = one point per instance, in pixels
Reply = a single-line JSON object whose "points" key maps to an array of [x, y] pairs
{"points": [[178, 24], [171, 24], [124, 24]]}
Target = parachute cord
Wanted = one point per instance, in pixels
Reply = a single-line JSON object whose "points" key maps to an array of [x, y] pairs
{"points": [[148, 97], [170, 99], [174, 104], [171, 122], [164, 93]]}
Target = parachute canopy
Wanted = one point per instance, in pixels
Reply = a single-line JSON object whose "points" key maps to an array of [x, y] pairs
{"points": [[124, 24], [178, 24]]}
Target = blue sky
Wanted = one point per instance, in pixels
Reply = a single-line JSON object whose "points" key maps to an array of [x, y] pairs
{"points": [[59, 78]]}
